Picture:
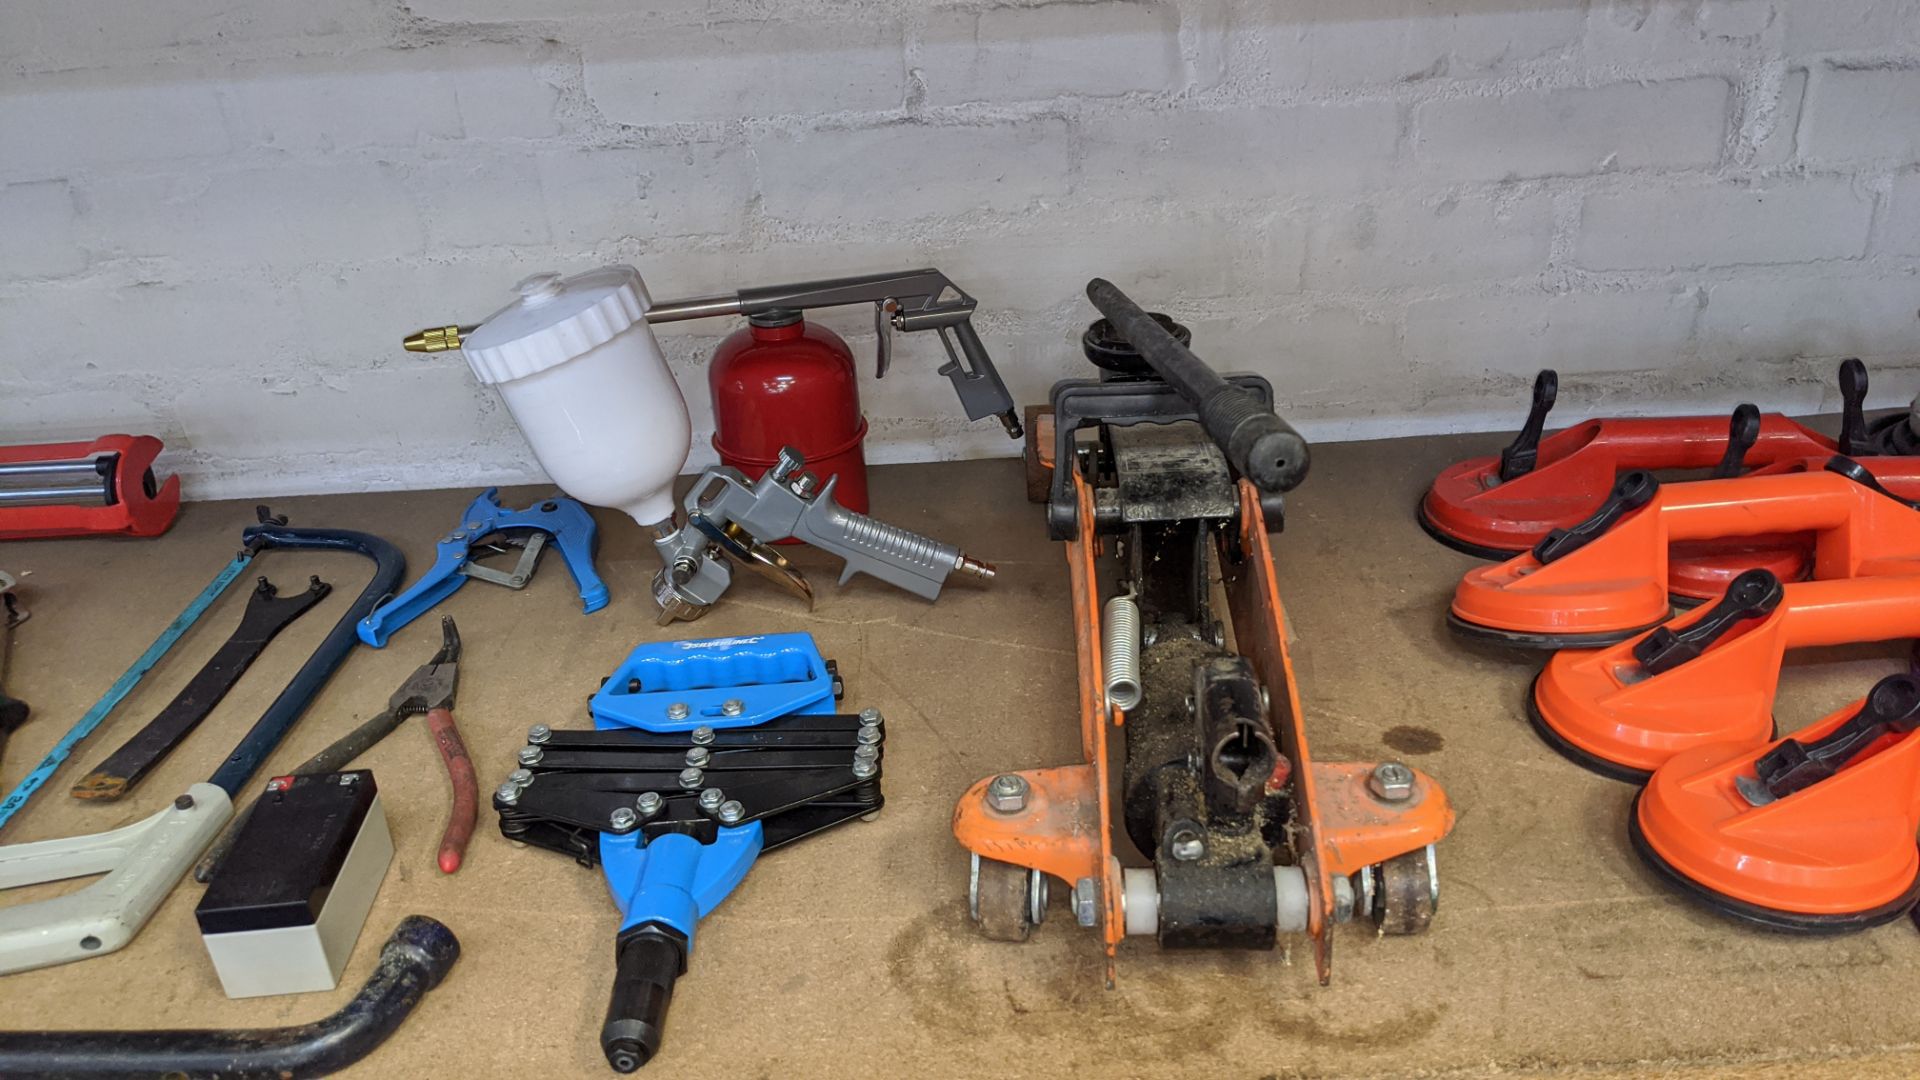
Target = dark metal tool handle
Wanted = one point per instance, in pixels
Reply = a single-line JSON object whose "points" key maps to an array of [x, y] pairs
{"points": [[1631, 491], [413, 961], [1259, 445], [1854, 438], [1893, 705], [1743, 430], [1520, 456], [1753, 594], [390, 566], [267, 614]]}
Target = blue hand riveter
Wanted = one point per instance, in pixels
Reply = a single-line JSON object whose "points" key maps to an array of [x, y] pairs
{"points": [[703, 755], [564, 520]]}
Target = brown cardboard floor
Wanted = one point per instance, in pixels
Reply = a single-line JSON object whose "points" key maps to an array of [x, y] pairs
{"points": [[849, 955]]}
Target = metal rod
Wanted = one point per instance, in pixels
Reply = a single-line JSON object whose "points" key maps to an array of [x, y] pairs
{"points": [[54, 496], [696, 307], [84, 467]]}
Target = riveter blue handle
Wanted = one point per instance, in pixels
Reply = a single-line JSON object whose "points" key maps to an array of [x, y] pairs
{"points": [[675, 879], [568, 522]]}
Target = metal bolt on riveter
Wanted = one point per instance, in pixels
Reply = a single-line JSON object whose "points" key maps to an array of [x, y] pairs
{"points": [[733, 707], [869, 717], [1086, 902], [868, 736], [698, 756], [1391, 782], [649, 803], [622, 819], [508, 793], [1007, 793], [538, 734], [702, 735], [678, 711], [864, 767], [691, 778], [731, 812], [711, 798], [530, 755], [520, 777]]}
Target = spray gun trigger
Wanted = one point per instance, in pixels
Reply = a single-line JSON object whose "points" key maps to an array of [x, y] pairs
{"points": [[886, 315], [758, 557]]}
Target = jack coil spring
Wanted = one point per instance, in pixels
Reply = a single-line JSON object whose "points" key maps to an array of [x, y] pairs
{"points": [[1121, 652]]}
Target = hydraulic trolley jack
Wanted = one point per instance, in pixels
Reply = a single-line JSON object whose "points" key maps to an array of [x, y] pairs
{"points": [[1165, 479]]}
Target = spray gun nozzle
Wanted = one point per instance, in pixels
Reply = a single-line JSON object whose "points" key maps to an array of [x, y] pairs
{"points": [[433, 339]]}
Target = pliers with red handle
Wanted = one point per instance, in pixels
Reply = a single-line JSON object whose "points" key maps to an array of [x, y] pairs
{"points": [[428, 690]]}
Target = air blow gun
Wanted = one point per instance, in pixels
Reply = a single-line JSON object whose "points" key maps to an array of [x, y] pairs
{"points": [[904, 300]]}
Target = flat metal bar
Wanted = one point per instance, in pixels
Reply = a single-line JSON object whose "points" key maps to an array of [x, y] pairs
{"points": [[122, 686]]}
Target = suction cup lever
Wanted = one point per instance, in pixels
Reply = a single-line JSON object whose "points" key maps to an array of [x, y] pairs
{"points": [[1858, 473], [1752, 595], [1519, 458], [1631, 492], [1892, 707], [1853, 396], [1742, 432]]}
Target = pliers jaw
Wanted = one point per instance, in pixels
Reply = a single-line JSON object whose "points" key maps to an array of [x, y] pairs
{"points": [[432, 685]]}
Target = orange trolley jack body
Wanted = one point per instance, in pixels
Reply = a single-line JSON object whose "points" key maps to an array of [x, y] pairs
{"points": [[1246, 836]]}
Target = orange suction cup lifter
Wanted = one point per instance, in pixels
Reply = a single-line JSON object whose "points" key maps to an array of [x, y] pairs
{"points": [[1599, 588], [1813, 834], [1709, 676]]}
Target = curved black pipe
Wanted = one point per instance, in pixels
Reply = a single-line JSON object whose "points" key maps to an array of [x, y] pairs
{"points": [[389, 568], [412, 962]]}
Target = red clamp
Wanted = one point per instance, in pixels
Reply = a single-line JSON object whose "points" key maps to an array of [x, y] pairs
{"points": [[135, 504]]}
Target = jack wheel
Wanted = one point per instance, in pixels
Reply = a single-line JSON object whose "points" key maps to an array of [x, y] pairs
{"points": [[1004, 900], [1406, 892]]}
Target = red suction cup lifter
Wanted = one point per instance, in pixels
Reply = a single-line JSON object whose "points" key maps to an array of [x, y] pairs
{"points": [[1497, 507], [1813, 834], [1709, 676], [85, 489], [1604, 580]]}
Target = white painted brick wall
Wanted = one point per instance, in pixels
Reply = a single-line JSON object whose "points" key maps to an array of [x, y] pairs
{"points": [[217, 219], [1787, 221], [1573, 131]]}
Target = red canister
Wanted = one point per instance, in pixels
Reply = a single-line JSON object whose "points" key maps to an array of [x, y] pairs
{"points": [[780, 381]]}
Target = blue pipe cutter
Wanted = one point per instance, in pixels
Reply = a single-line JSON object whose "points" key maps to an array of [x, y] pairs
{"points": [[561, 518], [703, 755]]}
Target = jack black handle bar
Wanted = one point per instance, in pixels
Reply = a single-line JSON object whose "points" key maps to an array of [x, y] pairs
{"points": [[413, 961], [389, 567], [1259, 445]]}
